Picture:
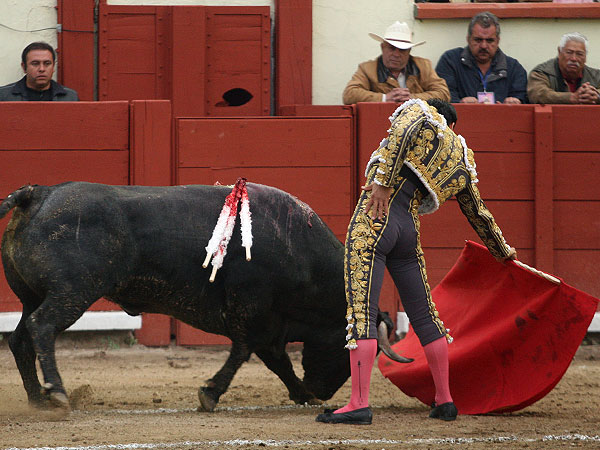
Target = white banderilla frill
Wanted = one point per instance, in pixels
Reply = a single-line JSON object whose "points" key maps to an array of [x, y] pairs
{"points": [[217, 245]]}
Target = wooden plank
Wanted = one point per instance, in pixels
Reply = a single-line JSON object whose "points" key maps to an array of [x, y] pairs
{"points": [[76, 46], [293, 34], [53, 167], [222, 85], [579, 136], [238, 57], [579, 268], [544, 189], [64, 126], [235, 57], [155, 331], [515, 219], [316, 110], [307, 183], [264, 142], [189, 44], [505, 176], [239, 18], [151, 152], [498, 128], [571, 170], [372, 123], [577, 225], [507, 10], [125, 31], [187, 335]]}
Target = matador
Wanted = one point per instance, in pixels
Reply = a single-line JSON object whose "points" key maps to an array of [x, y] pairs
{"points": [[417, 167]]}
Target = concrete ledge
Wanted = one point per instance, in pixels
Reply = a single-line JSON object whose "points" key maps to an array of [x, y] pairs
{"points": [[508, 10], [90, 321]]}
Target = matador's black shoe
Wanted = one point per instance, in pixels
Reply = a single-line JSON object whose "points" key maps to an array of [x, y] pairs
{"points": [[362, 416], [445, 411]]}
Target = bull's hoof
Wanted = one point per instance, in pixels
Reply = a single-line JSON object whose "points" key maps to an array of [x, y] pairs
{"points": [[60, 401], [307, 401], [207, 403], [55, 399]]}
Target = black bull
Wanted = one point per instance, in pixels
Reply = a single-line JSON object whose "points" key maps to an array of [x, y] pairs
{"points": [[68, 245]]}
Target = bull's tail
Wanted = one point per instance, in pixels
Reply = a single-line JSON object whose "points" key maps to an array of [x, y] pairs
{"points": [[21, 197]]}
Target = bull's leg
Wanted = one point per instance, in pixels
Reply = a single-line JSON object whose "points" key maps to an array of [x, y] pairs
{"points": [[280, 364], [215, 387], [22, 348], [56, 314], [20, 342]]}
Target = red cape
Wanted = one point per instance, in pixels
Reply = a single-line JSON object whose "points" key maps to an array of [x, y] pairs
{"points": [[515, 334]]}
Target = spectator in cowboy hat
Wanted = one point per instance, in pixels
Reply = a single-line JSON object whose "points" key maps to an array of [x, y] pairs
{"points": [[396, 75]]}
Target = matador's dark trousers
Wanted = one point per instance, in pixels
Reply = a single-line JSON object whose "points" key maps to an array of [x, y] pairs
{"points": [[372, 245]]}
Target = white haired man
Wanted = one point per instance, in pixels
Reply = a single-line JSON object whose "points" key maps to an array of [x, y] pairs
{"points": [[566, 78]]}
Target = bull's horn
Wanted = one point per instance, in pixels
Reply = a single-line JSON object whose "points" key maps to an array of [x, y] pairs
{"points": [[386, 348]]}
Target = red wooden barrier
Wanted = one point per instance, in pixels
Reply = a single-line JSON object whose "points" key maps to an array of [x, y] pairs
{"points": [[53, 143], [293, 28], [76, 46], [49, 143], [209, 60], [309, 157], [535, 166]]}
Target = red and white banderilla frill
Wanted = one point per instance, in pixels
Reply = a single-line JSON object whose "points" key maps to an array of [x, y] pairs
{"points": [[217, 245]]}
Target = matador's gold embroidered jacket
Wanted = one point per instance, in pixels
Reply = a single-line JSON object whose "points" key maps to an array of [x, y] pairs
{"points": [[420, 139]]}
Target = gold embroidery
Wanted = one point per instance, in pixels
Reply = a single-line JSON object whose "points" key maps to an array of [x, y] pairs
{"points": [[438, 159]]}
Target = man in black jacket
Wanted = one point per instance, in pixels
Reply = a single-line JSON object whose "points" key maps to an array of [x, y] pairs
{"points": [[38, 61], [481, 72]]}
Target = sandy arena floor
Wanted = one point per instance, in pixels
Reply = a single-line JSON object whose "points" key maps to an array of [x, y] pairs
{"points": [[135, 397]]}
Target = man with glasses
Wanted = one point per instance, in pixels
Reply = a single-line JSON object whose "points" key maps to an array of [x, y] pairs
{"points": [[481, 72], [566, 78]]}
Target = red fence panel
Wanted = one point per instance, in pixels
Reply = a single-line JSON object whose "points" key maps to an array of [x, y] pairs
{"points": [[576, 204], [50, 143], [76, 46], [311, 158], [534, 164], [107, 142], [293, 79], [209, 60]]}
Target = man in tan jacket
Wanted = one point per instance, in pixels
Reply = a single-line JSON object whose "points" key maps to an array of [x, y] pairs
{"points": [[396, 75]]}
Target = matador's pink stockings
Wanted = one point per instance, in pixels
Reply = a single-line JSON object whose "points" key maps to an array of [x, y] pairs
{"points": [[361, 363], [436, 353]]}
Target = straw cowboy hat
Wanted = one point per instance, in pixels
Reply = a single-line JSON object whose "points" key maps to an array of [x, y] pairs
{"points": [[397, 34]]}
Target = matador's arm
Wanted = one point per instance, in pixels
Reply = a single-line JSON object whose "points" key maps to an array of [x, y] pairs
{"points": [[482, 221]]}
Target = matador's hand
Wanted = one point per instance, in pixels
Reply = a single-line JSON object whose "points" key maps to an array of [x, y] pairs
{"points": [[379, 201], [512, 256]]}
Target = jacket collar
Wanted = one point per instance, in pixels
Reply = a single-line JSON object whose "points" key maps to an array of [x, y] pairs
{"points": [[383, 73], [562, 83], [20, 88], [498, 68]]}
